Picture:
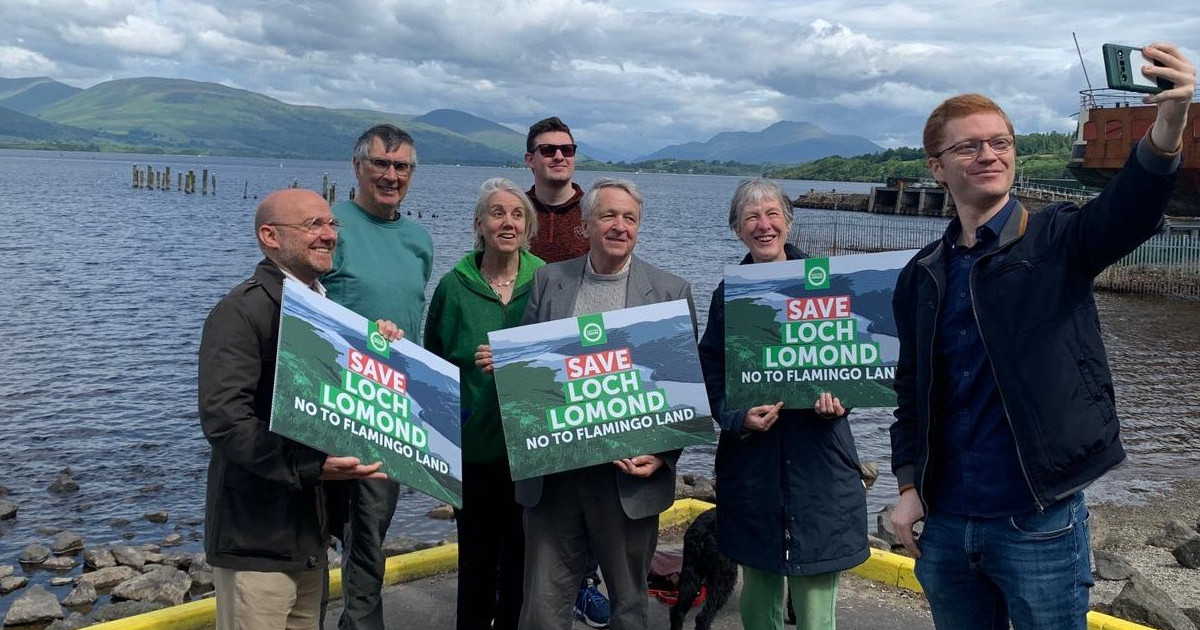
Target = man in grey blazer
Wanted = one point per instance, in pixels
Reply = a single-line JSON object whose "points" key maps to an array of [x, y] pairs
{"points": [[614, 507]]}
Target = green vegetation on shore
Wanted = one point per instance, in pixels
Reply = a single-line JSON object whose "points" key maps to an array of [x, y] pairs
{"points": [[1039, 156]]}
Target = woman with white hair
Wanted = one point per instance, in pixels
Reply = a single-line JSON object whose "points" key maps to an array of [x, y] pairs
{"points": [[790, 500], [486, 290]]}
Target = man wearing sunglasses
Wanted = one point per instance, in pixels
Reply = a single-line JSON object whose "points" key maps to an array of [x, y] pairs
{"points": [[550, 154], [380, 268], [1005, 400]]}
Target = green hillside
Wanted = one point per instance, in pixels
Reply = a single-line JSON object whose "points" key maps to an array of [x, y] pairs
{"points": [[195, 117], [33, 94]]}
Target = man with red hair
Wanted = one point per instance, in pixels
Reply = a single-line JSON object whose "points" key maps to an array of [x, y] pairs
{"points": [[1005, 400]]}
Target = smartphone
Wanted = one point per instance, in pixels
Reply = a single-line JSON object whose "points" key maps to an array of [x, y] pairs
{"points": [[1123, 65]]}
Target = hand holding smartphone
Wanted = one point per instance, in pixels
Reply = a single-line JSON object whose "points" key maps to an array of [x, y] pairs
{"points": [[1123, 65]]}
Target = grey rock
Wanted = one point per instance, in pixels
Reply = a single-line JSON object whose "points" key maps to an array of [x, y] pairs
{"points": [[6, 570], [73, 621], [118, 523], [150, 568], [120, 610], [397, 545], [878, 543], [1193, 614], [1188, 554], [8, 510], [333, 557], [695, 487], [869, 472], [61, 581], [156, 517], [60, 563], [64, 483], [83, 595], [66, 542], [199, 562], [148, 548], [172, 539], [11, 583], [167, 585], [107, 577], [99, 558], [1142, 602], [128, 556], [1171, 535], [884, 529], [34, 554], [441, 513], [201, 579], [154, 557], [4, 491], [190, 521], [151, 489], [179, 560], [35, 605]]}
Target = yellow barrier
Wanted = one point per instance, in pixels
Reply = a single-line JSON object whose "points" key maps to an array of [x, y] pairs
{"points": [[882, 566]]}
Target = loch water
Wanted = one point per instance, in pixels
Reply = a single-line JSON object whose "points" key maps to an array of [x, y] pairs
{"points": [[104, 289]]}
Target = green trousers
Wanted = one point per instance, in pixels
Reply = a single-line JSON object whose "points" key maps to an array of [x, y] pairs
{"points": [[814, 600]]}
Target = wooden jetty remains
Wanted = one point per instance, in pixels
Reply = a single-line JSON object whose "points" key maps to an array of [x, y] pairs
{"points": [[925, 198], [150, 179]]}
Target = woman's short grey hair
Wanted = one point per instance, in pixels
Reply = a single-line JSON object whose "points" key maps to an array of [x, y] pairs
{"points": [[491, 187], [588, 204], [754, 191], [392, 138]]}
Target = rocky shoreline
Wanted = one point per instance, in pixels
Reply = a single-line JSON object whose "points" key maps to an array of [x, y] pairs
{"points": [[1140, 572]]}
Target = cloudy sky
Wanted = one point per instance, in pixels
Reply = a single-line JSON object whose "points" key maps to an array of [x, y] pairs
{"points": [[628, 75]]}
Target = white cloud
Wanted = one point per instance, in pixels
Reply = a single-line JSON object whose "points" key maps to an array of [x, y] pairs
{"points": [[630, 75]]}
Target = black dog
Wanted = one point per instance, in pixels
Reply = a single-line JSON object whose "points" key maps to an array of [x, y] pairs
{"points": [[702, 563]]}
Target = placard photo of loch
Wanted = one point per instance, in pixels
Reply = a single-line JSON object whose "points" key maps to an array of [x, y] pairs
{"points": [[796, 328], [581, 391], [338, 392]]}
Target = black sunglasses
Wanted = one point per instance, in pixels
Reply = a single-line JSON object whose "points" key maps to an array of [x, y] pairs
{"points": [[548, 150]]}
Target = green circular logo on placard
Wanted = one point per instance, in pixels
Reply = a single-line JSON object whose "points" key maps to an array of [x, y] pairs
{"points": [[378, 342], [593, 332], [817, 276]]}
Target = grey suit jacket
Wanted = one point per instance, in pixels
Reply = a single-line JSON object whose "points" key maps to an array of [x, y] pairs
{"points": [[552, 297]]}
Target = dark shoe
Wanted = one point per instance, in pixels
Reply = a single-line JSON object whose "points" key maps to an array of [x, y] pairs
{"points": [[591, 606]]}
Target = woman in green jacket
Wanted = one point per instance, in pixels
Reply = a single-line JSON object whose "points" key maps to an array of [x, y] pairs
{"points": [[486, 291]]}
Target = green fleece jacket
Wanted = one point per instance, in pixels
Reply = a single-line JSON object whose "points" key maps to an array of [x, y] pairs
{"points": [[464, 309]]}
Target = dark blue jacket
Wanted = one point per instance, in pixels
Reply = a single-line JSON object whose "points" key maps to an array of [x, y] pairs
{"points": [[1036, 314], [790, 500]]}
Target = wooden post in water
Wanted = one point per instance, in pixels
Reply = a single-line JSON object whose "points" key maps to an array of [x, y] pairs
{"points": [[214, 184], [246, 190], [204, 182], [351, 193], [167, 178], [179, 181], [135, 175], [332, 193], [191, 181], [148, 182], [325, 186]]}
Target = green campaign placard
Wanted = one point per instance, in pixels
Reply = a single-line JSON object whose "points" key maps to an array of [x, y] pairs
{"points": [[796, 328], [344, 389], [586, 390]]}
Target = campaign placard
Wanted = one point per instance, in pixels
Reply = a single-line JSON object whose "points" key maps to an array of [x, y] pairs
{"points": [[342, 388], [585, 390], [796, 328]]}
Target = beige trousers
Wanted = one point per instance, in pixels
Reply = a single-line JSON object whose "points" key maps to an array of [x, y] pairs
{"points": [[257, 600]]}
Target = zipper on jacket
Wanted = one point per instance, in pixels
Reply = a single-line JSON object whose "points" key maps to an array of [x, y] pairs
{"points": [[937, 312], [1003, 403]]}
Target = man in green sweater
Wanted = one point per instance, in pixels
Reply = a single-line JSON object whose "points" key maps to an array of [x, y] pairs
{"points": [[380, 269]]}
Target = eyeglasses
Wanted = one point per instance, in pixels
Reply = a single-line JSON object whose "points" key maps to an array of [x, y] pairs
{"points": [[969, 149], [548, 150], [313, 226], [380, 165]]}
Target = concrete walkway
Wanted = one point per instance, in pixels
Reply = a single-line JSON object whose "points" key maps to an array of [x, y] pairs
{"points": [[429, 603]]}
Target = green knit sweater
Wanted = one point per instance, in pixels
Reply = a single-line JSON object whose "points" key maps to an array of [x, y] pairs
{"points": [[464, 309]]}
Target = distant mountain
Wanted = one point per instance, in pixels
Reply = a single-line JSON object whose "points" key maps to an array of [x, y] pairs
{"points": [[784, 142], [32, 95], [17, 126]]}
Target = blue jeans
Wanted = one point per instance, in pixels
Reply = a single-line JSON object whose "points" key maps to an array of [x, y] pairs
{"points": [[1032, 569]]}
